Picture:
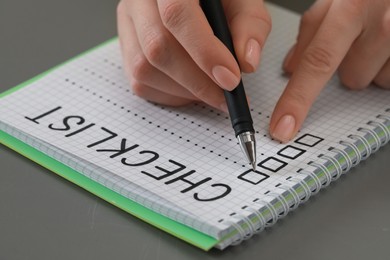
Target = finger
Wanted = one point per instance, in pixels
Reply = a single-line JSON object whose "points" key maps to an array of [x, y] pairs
{"points": [[367, 55], [165, 53], [154, 95], [138, 68], [382, 79], [250, 25], [187, 22], [339, 29], [126, 37], [310, 22]]}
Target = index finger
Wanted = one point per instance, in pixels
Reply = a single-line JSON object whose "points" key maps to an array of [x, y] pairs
{"points": [[188, 24], [340, 27]]}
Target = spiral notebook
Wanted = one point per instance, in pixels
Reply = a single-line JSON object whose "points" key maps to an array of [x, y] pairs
{"points": [[181, 169]]}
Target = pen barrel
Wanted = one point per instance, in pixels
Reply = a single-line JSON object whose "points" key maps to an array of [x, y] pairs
{"points": [[236, 99], [215, 15], [240, 115]]}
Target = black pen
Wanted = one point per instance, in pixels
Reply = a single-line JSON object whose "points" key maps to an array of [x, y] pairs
{"points": [[240, 115]]}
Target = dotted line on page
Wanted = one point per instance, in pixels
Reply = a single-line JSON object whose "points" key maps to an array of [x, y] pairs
{"points": [[107, 80], [195, 104], [145, 119]]}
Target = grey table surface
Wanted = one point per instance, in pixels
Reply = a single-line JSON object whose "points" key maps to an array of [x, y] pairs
{"points": [[43, 216]]}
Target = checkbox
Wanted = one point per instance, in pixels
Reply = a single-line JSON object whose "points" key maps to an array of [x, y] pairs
{"points": [[309, 140], [291, 152], [273, 164], [253, 177]]}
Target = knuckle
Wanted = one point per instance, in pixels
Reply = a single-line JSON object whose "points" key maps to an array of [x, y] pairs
{"points": [[354, 7], [298, 98], [254, 15], [318, 60], [350, 78], [155, 48], [309, 17], [351, 82], [201, 91], [140, 68], [385, 26], [172, 13], [139, 89], [382, 81], [267, 19], [257, 18], [121, 9]]}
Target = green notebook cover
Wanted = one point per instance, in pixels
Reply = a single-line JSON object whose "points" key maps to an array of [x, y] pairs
{"points": [[179, 230]]}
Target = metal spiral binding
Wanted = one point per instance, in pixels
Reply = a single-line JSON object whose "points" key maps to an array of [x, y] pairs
{"points": [[294, 194], [366, 144], [337, 165], [344, 154], [305, 188], [260, 218], [283, 201], [325, 170], [244, 234], [240, 231], [355, 149], [383, 127], [317, 181], [272, 210], [374, 135], [239, 221], [252, 229], [359, 155]]}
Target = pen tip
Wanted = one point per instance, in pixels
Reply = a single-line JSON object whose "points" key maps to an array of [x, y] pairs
{"points": [[248, 146]]}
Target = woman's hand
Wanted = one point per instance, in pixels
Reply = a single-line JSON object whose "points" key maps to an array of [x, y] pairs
{"points": [[352, 36], [172, 57]]}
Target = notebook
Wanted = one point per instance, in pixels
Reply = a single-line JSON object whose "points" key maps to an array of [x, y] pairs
{"points": [[181, 169]]}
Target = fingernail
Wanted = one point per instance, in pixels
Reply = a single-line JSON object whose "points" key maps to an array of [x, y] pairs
{"points": [[225, 78], [252, 54], [288, 58], [284, 129]]}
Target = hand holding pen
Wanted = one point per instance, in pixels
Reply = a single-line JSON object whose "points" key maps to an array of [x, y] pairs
{"points": [[173, 50], [172, 57]]}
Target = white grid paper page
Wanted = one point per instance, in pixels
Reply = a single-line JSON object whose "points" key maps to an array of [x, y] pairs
{"points": [[196, 139]]}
